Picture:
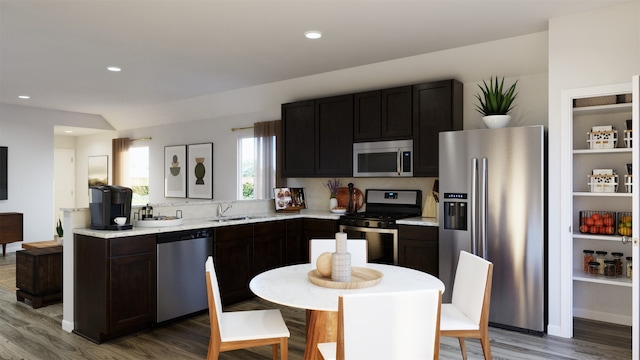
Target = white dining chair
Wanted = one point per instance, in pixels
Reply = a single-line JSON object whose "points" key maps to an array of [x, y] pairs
{"points": [[242, 329], [467, 316], [356, 247], [394, 325]]}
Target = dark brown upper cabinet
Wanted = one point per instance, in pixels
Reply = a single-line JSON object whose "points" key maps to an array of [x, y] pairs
{"points": [[437, 106], [318, 137], [383, 115]]}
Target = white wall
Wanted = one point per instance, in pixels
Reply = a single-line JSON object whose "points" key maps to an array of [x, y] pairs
{"points": [[589, 49], [28, 133]]}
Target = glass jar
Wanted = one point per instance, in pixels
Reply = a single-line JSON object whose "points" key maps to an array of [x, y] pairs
{"points": [[610, 268], [629, 264], [617, 257], [594, 268], [601, 256], [588, 257]]}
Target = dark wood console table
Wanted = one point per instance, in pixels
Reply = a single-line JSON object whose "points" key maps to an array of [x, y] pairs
{"points": [[10, 229]]}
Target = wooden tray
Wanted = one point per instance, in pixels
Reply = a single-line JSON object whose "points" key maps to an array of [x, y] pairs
{"points": [[343, 198], [360, 278]]}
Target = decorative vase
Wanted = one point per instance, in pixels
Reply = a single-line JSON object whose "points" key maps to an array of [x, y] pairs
{"points": [[496, 121], [59, 239], [341, 260], [333, 202]]}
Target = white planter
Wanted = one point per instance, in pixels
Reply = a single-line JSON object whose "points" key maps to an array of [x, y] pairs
{"points": [[333, 202], [496, 121]]}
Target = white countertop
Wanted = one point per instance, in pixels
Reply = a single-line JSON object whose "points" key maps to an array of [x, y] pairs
{"points": [[202, 223]]}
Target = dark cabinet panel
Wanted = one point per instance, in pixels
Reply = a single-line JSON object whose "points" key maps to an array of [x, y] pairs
{"points": [[437, 107], [418, 248], [233, 258], [396, 113], [318, 229], [114, 285], [383, 115], [334, 136], [269, 239], [367, 116], [297, 248], [318, 137], [299, 148], [11, 229]]}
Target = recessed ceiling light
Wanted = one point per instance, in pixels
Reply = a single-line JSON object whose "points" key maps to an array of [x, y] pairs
{"points": [[68, 131], [313, 34], [25, 97], [114, 68]]}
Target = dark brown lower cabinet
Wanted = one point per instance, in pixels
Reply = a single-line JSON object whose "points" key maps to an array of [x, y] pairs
{"points": [[296, 252], [418, 248], [269, 245], [233, 260], [115, 285], [317, 229]]}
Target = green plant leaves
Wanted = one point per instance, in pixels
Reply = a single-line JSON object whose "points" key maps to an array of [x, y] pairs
{"points": [[494, 100]]}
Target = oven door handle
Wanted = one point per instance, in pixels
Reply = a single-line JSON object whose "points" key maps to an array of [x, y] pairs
{"points": [[367, 229]]}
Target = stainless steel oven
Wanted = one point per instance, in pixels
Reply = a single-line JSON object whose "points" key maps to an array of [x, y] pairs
{"points": [[382, 244], [378, 224]]}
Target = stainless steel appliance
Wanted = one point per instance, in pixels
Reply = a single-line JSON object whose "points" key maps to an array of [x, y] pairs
{"points": [[383, 159], [492, 192], [378, 224], [107, 203], [181, 281]]}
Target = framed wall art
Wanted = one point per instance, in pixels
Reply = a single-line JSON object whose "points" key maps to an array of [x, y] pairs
{"points": [[175, 171], [98, 170], [200, 175]]}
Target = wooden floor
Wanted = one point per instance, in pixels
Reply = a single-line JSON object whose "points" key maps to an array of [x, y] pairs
{"points": [[26, 333]]}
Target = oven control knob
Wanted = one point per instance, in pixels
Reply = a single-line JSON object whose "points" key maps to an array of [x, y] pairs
{"points": [[381, 224], [366, 224]]}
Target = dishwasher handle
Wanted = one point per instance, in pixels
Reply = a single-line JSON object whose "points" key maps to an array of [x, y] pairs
{"points": [[183, 235]]}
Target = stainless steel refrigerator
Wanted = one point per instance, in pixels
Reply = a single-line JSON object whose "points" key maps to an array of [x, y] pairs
{"points": [[492, 204]]}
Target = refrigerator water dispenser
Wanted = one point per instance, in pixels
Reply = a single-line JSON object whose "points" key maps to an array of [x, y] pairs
{"points": [[455, 215]]}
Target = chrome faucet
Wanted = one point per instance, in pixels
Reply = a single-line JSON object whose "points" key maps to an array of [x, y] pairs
{"points": [[221, 211]]}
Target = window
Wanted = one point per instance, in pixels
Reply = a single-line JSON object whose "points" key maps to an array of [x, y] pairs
{"points": [[246, 168], [139, 174], [256, 167]]}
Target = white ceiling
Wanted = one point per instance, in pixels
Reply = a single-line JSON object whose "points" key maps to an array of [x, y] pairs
{"points": [[57, 51]]}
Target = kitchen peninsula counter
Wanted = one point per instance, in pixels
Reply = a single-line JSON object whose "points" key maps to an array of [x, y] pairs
{"points": [[206, 223]]}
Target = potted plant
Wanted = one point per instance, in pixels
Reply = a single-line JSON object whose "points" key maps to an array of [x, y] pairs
{"points": [[496, 102], [333, 186], [59, 232]]}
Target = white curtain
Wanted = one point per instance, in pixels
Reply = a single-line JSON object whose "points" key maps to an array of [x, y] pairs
{"points": [[266, 169]]}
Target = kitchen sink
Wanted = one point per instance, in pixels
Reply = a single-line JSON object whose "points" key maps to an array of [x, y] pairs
{"points": [[235, 217]]}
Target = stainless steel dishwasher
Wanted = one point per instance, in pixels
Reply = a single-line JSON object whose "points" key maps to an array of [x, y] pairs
{"points": [[181, 281]]}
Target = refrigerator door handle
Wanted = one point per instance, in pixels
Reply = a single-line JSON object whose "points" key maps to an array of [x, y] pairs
{"points": [[484, 208], [474, 206]]}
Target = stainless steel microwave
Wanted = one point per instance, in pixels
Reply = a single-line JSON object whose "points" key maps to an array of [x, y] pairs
{"points": [[383, 159]]}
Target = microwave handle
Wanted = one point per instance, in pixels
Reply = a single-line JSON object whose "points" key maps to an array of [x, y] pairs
{"points": [[399, 162]]}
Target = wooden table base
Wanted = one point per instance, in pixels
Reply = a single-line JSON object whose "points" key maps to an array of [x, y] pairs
{"points": [[322, 326]]}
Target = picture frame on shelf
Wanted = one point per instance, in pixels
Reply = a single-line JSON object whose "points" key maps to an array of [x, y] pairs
{"points": [[289, 199], [175, 171], [200, 174]]}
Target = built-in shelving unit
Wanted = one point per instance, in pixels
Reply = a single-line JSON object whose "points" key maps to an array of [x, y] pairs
{"points": [[592, 294]]}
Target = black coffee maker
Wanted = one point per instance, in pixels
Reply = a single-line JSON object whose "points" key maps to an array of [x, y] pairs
{"points": [[107, 203]]}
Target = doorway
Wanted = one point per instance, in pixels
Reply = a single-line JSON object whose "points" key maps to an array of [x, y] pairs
{"points": [[64, 179]]}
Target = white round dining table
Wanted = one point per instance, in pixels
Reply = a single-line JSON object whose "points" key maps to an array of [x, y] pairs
{"points": [[290, 286]]}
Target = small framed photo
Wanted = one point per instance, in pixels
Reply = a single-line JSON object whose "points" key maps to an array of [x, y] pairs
{"points": [[200, 175], [289, 199], [175, 171]]}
